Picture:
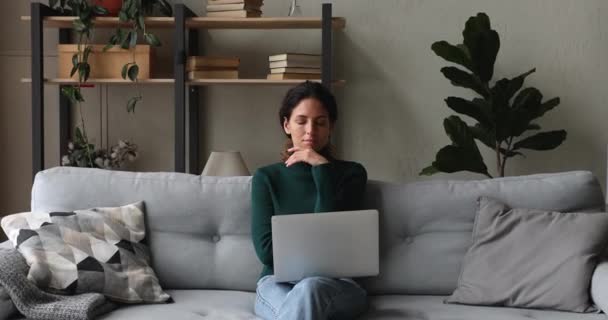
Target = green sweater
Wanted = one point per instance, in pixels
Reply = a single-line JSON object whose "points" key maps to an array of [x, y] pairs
{"points": [[301, 188]]}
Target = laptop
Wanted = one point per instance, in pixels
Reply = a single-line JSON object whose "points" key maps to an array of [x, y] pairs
{"points": [[341, 244]]}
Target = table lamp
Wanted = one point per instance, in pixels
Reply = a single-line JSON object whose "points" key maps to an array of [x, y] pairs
{"points": [[225, 163]]}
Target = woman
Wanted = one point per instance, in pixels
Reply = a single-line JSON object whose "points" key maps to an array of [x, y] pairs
{"points": [[309, 179]]}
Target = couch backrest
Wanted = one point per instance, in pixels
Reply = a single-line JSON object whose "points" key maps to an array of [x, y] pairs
{"points": [[426, 227], [199, 227]]}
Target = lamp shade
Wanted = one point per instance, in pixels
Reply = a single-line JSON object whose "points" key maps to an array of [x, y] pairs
{"points": [[225, 163]]}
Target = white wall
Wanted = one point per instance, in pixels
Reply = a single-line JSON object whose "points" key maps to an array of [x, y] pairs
{"points": [[391, 109]]}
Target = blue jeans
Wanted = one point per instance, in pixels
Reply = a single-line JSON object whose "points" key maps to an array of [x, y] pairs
{"points": [[313, 298]]}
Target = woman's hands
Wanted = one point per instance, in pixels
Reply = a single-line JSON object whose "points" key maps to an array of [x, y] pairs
{"points": [[307, 155]]}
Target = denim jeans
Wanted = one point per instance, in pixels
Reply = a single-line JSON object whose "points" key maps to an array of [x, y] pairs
{"points": [[313, 298]]}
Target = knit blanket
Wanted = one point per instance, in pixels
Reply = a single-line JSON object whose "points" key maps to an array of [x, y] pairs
{"points": [[34, 303]]}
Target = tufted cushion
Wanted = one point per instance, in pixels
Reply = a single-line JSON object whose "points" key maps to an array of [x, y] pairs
{"points": [[425, 227], [200, 226]]}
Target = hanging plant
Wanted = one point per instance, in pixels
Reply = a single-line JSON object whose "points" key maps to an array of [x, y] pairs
{"points": [[133, 12]]}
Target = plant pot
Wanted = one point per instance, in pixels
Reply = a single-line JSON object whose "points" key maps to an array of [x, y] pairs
{"points": [[105, 64], [113, 6]]}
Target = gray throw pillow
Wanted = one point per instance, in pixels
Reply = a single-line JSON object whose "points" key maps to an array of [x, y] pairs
{"points": [[96, 250], [531, 258]]}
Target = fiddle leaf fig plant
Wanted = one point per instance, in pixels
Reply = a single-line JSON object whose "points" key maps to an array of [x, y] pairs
{"points": [[504, 114]]}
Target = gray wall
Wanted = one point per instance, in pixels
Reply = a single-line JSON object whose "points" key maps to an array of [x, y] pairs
{"points": [[391, 109]]}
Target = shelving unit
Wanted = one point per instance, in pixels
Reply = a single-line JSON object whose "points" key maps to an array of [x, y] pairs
{"points": [[186, 25]]}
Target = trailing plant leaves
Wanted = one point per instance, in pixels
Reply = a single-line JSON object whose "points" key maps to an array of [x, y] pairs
{"points": [[132, 102], [125, 69], [72, 93], [483, 44], [85, 55], [133, 39], [133, 72], [452, 53], [152, 39], [100, 10], [165, 8], [542, 141], [74, 69], [464, 79]]}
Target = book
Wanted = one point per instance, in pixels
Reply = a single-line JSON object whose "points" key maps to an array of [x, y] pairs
{"points": [[300, 57], [233, 7], [196, 62], [210, 69], [235, 14], [296, 70], [294, 64], [217, 74], [250, 2], [297, 76]]}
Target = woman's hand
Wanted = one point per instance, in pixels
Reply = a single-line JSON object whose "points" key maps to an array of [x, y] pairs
{"points": [[307, 155]]}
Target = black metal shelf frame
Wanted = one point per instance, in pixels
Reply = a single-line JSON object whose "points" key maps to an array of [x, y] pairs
{"points": [[186, 43]]}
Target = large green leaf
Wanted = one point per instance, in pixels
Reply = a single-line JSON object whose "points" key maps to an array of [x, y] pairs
{"points": [[454, 158], [452, 53], [428, 171], [486, 135], [476, 109], [458, 131], [542, 141], [505, 89], [464, 79], [483, 44]]}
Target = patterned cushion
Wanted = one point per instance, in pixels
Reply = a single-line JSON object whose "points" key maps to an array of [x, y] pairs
{"points": [[93, 250]]}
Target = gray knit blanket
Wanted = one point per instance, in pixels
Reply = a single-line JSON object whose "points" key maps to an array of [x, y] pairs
{"points": [[34, 303]]}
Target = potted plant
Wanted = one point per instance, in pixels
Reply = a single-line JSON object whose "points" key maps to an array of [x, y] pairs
{"points": [[503, 110], [113, 6], [133, 13]]}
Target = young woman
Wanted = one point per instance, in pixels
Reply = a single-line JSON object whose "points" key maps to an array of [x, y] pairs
{"points": [[309, 179]]}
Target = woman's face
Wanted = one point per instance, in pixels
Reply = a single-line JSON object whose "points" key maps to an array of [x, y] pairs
{"points": [[309, 125]]}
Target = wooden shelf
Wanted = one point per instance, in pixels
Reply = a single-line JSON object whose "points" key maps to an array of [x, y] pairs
{"points": [[102, 81], [198, 82], [207, 82], [204, 22]]}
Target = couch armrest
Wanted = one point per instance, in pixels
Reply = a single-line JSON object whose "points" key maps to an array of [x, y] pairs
{"points": [[599, 286]]}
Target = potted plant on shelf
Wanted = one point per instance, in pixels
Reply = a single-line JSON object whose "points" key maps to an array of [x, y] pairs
{"points": [[132, 13], [503, 111]]}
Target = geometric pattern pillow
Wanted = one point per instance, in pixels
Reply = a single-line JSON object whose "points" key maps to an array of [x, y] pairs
{"points": [[94, 250]]}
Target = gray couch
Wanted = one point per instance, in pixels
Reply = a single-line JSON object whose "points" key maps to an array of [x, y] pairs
{"points": [[199, 234]]}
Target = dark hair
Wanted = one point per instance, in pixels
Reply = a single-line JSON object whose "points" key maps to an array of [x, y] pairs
{"points": [[294, 96]]}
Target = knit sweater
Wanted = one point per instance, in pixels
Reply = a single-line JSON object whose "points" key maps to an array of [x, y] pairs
{"points": [[301, 188]]}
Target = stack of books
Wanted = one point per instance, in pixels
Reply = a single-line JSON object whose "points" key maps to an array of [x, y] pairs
{"points": [[295, 66], [235, 8], [205, 67]]}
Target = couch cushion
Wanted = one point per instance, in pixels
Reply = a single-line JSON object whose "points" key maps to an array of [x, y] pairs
{"points": [[432, 308], [425, 227], [198, 227]]}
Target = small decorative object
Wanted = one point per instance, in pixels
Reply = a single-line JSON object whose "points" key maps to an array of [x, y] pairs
{"points": [[226, 163], [294, 9], [503, 112], [83, 154]]}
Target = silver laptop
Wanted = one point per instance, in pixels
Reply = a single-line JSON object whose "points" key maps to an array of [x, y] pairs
{"points": [[340, 244]]}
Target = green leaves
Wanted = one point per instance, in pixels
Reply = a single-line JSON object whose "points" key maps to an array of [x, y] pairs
{"points": [[152, 40], [453, 54], [461, 155], [130, 70], [483, 44], [542, 141], [132, 102], [464, 79], [503, 111], [72, 93]]}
